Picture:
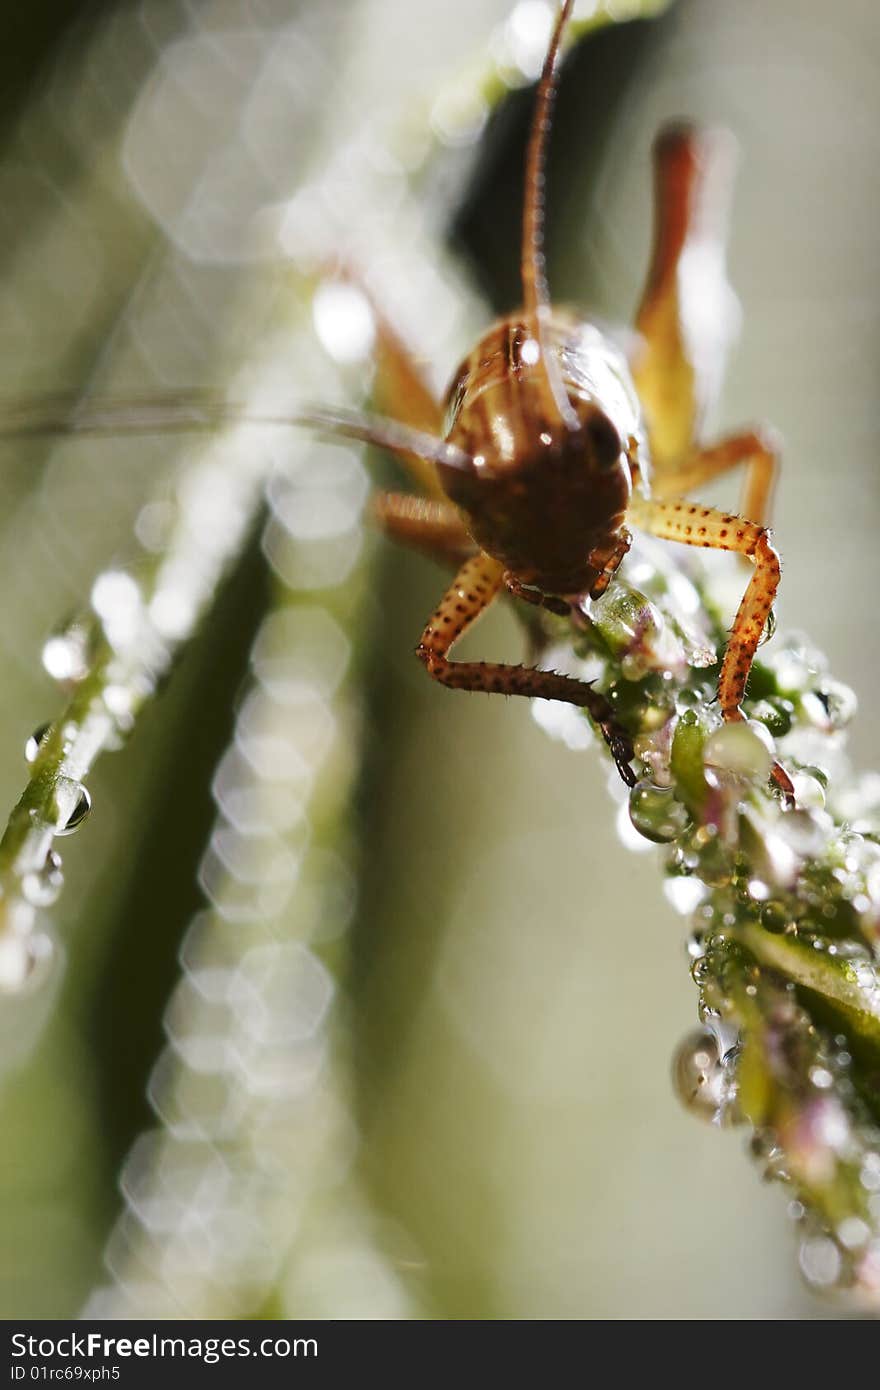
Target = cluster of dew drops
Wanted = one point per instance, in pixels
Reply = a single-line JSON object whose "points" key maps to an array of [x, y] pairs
{"points": [[809, 872], [28, 951]]}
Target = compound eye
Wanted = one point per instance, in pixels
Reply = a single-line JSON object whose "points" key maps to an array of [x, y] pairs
{"points": [[605, 442]]}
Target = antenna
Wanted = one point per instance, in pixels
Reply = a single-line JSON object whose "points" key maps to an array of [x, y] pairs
{"points": [[387, 434], [67, 414], [536, 297]]}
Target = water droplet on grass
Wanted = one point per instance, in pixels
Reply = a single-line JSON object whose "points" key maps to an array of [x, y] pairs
{"points": [[743, 749], [820, 1261], [81, 808], [698, 1075], [42, 886], [657, 813], [32, 746], [67, 651]]}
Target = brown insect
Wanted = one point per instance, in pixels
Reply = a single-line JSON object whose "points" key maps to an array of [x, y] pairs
{"points": [[542, 451], [550, 442]]}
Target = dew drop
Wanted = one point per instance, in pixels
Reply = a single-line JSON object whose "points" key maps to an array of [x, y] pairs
{"points": [[832, 705], [42, 886], [698, 1075], [775, 917], [820, 1261], [656, 813], [683, 860], [116, 599], [32, 746], [81, 809], [744, 749], [120, 701], [707, 1013], [688, 698], [695, 946], [775, 714], [803, 831], [67, 652], [700, 969], [685, 894], [153, 525], [809, 793], [870, 1172], [769, 627], [714, 865], [853, 1232], [821, 1077]]}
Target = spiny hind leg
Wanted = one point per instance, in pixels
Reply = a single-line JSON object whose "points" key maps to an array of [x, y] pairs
{"points": [[476, 585], [692, 524], [434, 528], [758, 450]]}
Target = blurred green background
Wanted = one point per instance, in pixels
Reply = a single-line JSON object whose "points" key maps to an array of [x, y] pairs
{"points": [[517, 982]]}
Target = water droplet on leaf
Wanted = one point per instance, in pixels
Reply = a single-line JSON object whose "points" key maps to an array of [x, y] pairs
{"points": [[698, 1075], [117, 600], [657, 813], [685, 894], [696, 945], [32, 746], [775, 916], [67, 651], [81, 809], [41, 887], [775, 714], [743, 749], [809, 794], [820, 1261], [832, 705]]}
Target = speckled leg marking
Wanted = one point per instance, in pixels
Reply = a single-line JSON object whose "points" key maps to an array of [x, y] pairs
{"points": [[476, 585], [706, 526], [434, 528], [757, 449]]}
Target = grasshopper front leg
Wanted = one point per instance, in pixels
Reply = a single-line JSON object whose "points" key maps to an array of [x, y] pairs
{"points": [[474, 588], [424, 524]]}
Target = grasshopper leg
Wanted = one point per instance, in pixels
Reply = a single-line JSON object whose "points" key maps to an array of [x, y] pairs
{"points": [[608, 561], [686, 313], [400, 385], [692, 524], [535, 597], [678, 369], [757, 449], [423, 523], [476, 585]]}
